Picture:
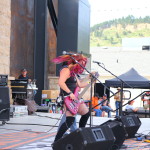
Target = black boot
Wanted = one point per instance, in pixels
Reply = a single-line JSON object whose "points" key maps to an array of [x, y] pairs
{"points": [[64, 127], [84, 120]]}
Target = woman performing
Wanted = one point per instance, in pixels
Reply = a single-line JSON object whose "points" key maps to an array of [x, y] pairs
{"points": [[68, 82]]}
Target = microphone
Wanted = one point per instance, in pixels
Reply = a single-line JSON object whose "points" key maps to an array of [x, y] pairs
{"points": [[68, 53], [97, 62]]}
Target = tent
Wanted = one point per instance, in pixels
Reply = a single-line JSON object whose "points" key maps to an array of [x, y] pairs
{"points": [[132, 77]]}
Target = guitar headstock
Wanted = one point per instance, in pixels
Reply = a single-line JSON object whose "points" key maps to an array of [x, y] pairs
{"points": [[96, 74]]}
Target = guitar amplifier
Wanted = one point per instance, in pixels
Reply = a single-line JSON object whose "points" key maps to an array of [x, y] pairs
{"points": [[131, 124], [4, 104], [3, 80], [118, 131], [91, 138]]}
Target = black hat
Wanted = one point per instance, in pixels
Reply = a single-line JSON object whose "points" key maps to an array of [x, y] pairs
{"points": [[105, 95], [23, 70]]}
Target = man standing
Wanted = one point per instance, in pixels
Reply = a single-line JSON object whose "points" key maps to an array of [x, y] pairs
{"points": [[117, 98], [146, 100]]}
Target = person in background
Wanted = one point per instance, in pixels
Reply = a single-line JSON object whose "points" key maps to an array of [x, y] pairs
{"points": [[23, 75], [118, 100], [131, 107], [95, 101], [106, 105], [146, 100]]}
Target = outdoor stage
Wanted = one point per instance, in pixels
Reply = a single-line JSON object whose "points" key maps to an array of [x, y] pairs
{"points": [[37, 137]]}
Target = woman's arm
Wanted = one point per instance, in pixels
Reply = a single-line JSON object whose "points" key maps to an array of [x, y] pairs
{"points": [[64, 75]]}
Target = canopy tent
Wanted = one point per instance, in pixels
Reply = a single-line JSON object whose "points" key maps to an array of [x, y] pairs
{"points": [[132, 77]]}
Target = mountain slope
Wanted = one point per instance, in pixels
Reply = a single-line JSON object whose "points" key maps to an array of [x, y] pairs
{"points": [[110, 33]]}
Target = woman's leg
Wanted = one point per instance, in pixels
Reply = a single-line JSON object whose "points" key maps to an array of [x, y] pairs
{"points": [[65, 126], [83, 110], [73, 127], [63, 119]]}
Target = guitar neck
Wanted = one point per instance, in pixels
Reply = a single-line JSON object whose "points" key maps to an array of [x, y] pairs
{"points": [[84, 90]]}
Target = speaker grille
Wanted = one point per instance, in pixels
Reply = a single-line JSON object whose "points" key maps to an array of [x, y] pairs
{"points": [[98, 134], [130, 121]]}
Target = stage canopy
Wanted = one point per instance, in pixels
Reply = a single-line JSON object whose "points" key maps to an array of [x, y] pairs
{"points": [[132, 77]]}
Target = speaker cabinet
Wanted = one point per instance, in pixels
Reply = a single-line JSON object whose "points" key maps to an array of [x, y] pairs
{"points": [[92, 138], [4, 103], [118, 131], [131, 124]]}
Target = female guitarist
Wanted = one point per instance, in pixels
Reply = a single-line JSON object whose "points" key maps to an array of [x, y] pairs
{"points": [[68, 82]]}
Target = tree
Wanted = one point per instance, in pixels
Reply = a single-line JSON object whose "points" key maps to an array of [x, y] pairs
{"points": [[98, 45], [117, 35]]}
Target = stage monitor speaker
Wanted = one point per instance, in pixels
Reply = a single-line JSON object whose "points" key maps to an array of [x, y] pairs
{"points": [[131, 124], [91, 138], [4, 104], [118, 131]]}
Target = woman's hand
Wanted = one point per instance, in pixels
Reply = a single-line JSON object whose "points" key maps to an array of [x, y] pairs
{"points": [[89, 75], [72, 96]]}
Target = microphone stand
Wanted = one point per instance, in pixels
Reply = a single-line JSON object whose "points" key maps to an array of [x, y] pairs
{"points": [[122, 85], [92, 78]]}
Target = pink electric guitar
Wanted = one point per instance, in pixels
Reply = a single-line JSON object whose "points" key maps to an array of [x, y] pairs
{"points": [[73, 105]]}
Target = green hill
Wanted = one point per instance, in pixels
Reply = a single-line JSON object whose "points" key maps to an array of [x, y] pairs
{"points": [[110, 33]]}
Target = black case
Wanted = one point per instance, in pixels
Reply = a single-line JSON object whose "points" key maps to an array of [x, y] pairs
{"points": [[4, 104]]}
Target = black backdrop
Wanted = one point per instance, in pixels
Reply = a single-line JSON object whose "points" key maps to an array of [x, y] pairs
{"points": [[100, 89]]}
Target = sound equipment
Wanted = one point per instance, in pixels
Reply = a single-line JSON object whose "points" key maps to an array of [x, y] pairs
{"points": [[118, 131], [91, 138], [139, 113], [3, 80], [131, 124], [19, 88], [4, 104], [42, 109]]}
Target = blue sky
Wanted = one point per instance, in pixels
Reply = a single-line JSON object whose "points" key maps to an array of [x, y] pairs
{"points": [[103, 10]]}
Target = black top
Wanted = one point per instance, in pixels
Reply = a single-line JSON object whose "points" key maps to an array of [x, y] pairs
{"points": [[103, 101], [23, 78], [70, 82]]}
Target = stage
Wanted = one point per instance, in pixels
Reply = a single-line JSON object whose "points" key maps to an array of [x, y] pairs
{"points": [[36, 137]]}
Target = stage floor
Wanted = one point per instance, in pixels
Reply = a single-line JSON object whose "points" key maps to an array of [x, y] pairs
{"points": [[37, 137]]}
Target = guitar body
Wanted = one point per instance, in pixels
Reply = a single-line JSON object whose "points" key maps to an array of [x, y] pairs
{"points": [[73, 105]]}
